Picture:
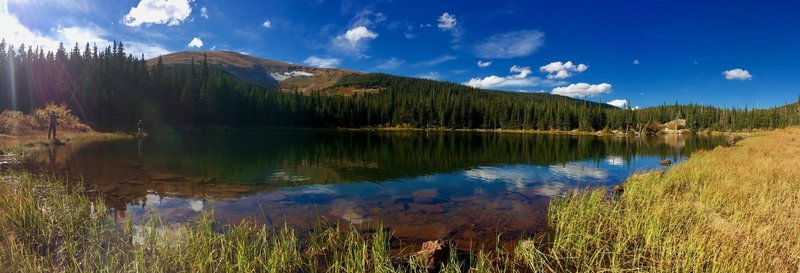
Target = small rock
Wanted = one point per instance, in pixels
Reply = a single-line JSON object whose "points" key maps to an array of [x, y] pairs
{"points": [[433, 254], [619, 188], [666, 162]]}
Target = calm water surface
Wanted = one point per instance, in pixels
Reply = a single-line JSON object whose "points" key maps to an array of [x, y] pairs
{"points": [[421, 185]]}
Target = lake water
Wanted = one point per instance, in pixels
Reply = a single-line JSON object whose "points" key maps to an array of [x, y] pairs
{"points": [[422, 185]]}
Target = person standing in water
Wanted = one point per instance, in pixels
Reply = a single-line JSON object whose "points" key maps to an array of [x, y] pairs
{"points": [[52, 130]]}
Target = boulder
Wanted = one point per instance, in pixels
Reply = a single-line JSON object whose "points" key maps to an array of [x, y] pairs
{"points": [[619, 189], [666, 162], [433, 254]]}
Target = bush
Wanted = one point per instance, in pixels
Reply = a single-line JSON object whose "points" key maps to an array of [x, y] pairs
{"points": [[16, 123], [66, 120]]}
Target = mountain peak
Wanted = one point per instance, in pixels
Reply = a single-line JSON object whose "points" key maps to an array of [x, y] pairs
{"points": [[275, 74]]}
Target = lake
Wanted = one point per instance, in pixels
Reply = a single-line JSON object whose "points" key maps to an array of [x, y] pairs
{"points": [[421, 185]]}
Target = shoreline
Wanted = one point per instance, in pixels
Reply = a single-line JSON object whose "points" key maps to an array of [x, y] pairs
{"points": [[740, 203]]}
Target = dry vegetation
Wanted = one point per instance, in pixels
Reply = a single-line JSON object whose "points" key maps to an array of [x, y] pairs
{"points": [[17, 123], [726, 210]]}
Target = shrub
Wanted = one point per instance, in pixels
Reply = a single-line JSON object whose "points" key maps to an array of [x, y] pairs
{"points": [[16, 123], [66, 120]]}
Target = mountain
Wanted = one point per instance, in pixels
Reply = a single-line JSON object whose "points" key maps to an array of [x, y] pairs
{"points": [[267, 73]]}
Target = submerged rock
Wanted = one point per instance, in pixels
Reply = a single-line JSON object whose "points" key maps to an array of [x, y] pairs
{"points": [[425, 196], [666, 162]]}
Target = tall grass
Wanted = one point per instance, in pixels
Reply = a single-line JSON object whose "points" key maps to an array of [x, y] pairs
{"points": [[50, 226], [727, 210], [731, 209]]}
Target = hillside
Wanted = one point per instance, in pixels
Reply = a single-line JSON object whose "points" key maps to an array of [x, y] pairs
{"points": [[267, 73]]}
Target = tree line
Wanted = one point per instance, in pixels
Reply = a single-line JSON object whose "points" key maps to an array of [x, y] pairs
{"points": [[112, 90]]}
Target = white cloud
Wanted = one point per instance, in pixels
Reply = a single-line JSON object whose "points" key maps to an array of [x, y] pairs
{"points": [[267, 24], [354, 41], [14, 32], [518, 78], [636, 61], [204, 12], [169, 12], [484, 64], [522, 72], [579, 171], [447, 21], [196, 42], [559, 70], [615, 160], [618, 103], [390, 64], [437, 60], [737, 74], [354, 35], [582, 90], [431, 76], [510, 45], [322, 62]]}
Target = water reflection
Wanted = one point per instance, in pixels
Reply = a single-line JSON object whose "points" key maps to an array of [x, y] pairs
{"points": [[468, 186]]}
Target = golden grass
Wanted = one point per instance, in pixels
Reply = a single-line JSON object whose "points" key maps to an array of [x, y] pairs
{"points": [[48, 226], [731, 209]]}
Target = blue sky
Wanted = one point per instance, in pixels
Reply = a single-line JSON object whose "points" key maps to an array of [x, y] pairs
{"points": [[724, 53]]}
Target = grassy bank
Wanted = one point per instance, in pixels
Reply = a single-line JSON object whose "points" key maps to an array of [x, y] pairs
{"points": [[46, 226], [727, 210]]}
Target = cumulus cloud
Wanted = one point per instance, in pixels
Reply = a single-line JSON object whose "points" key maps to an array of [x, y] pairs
{"points": [[354, 41], [582, 90], [447, 21], [559, 70], [196, 42], [168, 12], [737, 74], [204, 12], [636, 61], [484, 64], [354, 35], [618, 103], [267, 24], [518, 78], [510, 45], [322, 62]]}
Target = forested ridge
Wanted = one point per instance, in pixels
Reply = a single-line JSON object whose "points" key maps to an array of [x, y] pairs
{"points": [[111, 90]]}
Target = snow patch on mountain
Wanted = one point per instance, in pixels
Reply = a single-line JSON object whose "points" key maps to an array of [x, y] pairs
{"points": [[293, 74]]}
